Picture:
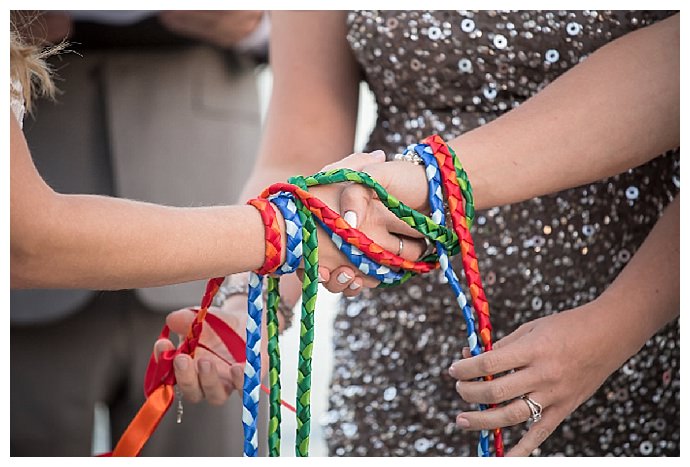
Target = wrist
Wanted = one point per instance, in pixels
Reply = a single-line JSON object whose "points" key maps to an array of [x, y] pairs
{"points": [[615, 312]]}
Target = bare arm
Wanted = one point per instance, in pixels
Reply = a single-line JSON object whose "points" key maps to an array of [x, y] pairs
{"points": [[616, 110], [108, 243], [313, 109]]}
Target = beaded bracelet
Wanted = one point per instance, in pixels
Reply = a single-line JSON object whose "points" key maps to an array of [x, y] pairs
{"points": [[234, 287]]}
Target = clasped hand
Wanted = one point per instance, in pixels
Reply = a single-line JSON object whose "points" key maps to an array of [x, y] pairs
{"points": [[215, 377]]}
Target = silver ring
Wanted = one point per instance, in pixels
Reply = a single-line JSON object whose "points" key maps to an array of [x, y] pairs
{"points": [[534, 407], [400, 246]]}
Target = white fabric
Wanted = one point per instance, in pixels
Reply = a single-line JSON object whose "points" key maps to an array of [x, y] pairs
{"points": [[17, 101]]}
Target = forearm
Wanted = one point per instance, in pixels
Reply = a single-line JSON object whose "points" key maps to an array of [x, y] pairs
{"points": [[649, 286], [313, 109], [107, 243], [614, 111]]}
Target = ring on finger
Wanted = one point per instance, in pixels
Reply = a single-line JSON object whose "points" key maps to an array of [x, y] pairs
{"points": [[400, 246], [535, 408]]}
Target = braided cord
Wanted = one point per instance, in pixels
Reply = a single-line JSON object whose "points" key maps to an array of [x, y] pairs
{"points": [[418, 221], [293, 257], [438, 214], [338, 225], [272, 326], [272, 235], [370, 258], [252, 368], [310, 246], [457, 188]]}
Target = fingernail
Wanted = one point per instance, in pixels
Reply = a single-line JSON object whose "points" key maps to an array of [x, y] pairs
{"points": [[351, 218], [354, 286], [457, 386], [343, 278], [378, 154], [451, 371], [462, 422], [180, 363], [321, 279]]}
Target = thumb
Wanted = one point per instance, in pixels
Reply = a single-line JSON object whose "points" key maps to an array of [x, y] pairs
{"points": [[354, 204], [161, 346], [180, 321]]}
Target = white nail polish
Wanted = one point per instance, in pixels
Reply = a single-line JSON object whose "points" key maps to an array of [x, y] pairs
{"points": [[351, 218], [343, 278], [320, 277], [354, 286]]}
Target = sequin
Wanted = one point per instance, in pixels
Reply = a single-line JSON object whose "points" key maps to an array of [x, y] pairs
{"points": [[632, 192], [490, 93], [435, 33], [467, 25], [464, 65], [552, 56], [573, 29], [422, 445], [537, 257], [500, 41], [389, 394]]}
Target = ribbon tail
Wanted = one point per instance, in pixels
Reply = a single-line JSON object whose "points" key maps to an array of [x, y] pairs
{"points": [[145, 422]]}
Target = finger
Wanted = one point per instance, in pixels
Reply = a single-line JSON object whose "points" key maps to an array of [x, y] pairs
{"points": [[354, 203], [357, 161], [300, 274], [498, 417], [160, 346], [237, 375], [180, 321], [466, 352], [354, 289], [536, 434], [515, 335], [407, 182], [324, 274], [341, 278], [493, 362], [394, 224], [211, 384], [501, 389], [187, 379]]}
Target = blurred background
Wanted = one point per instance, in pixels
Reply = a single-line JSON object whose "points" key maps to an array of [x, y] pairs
{"points": [[148, 100]]}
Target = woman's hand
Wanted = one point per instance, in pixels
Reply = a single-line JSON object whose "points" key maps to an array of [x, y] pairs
{"points": [[371, 217], [558, 361]]}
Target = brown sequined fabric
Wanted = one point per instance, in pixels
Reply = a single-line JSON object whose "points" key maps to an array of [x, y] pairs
{"points": [[447, 73]]}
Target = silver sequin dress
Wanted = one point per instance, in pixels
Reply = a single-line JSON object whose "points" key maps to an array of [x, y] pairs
{"points": [[447, 73]]}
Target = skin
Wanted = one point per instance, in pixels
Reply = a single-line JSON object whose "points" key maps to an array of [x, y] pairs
{"points": [[614, 111], [106, 243], [562, 359], [223, 28]]}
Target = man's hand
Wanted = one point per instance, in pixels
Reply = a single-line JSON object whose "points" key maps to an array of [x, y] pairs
{"points": [[206, 376], [224, 28]]}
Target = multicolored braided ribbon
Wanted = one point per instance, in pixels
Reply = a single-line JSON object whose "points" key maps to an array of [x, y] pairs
{"points": [[302, 211]]}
